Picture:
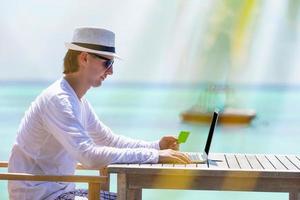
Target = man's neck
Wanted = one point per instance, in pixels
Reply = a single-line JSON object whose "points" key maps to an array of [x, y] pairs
{"points": [[78, 86]]}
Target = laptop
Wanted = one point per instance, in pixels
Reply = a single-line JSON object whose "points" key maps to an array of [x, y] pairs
{"points": [[197, 157]]}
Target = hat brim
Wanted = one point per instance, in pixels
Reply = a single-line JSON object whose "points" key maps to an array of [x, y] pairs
{"points": [[79, 48]]}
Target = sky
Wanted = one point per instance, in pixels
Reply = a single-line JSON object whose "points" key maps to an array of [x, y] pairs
{"points": [[171, 41]]}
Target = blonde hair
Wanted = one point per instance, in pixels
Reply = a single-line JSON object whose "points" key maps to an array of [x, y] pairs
{"points": [[71, 61]]}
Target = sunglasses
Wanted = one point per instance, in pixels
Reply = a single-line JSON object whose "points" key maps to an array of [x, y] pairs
{"points": [[108, 62]]}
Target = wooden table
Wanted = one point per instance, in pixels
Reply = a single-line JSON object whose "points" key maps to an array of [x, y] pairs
{"points": [[230, 172]]}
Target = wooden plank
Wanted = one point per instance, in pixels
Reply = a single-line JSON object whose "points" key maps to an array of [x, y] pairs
{"points": [[286, 162], [79, 166], [168, 165], [136, 165], [243, 161], [158, 165], [265, 162], [94, 191], [294, 195], [104, 172], [275, 162], [179, 166], [202, 166], [124, 192], [218, 161], [134, 194], [122, 186], [232, 162], [191, 166], [3, 164], [149, 165], [217, 157], [294, 160], [53, 178], [224, 182], [254, 162]]}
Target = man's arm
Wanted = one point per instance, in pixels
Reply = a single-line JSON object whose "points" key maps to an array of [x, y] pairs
{"points": [[60, 120], [104, 136]]}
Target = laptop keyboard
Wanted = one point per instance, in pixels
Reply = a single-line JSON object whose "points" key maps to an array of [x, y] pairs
{"points": [[195, 156]]}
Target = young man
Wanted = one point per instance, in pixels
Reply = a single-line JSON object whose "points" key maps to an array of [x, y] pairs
{"points": [[61, 129]]}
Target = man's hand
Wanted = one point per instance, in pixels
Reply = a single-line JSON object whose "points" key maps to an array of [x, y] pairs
{"points": [[171, 156], [168, 142]]}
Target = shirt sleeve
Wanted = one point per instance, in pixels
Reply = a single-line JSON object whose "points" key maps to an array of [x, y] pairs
{"points": [[60, 119], [103, 135]]}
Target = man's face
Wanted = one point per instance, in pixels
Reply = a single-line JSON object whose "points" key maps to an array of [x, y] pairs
{"points": [[97, 68]]}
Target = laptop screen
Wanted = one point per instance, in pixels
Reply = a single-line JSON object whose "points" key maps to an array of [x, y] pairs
{"points": [[211, 131]]}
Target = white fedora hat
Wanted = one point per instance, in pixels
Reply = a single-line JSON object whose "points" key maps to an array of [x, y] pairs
{"points": [[93, 40]]}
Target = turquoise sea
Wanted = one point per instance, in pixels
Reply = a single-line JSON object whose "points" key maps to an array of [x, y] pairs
{"points": [[148, 112]]}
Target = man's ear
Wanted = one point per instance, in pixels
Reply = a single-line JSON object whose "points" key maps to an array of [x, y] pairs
{"points": [[82, 58]]}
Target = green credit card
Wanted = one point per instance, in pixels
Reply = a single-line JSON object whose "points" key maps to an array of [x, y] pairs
{"points": [[183, 135]]}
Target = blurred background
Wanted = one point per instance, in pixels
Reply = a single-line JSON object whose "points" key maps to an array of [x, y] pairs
{"points": [[171, 51]]}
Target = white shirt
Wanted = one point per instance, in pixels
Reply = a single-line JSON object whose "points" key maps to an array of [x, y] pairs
{"points": [[56, 133]]}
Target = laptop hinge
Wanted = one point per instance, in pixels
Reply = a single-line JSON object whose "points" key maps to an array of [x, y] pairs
{"points": [[205, 156]]}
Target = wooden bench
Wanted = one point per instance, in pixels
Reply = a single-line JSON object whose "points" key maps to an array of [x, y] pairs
{"points": [[228, 172], [94, 182]]}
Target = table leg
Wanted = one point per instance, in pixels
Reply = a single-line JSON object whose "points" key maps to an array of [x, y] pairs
{"points": [[124, 193], [135, 194], [104, 172], [294, 195]]}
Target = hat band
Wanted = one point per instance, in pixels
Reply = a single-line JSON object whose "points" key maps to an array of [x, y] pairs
{"points": [[96, 47]]}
